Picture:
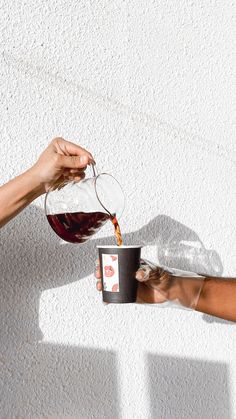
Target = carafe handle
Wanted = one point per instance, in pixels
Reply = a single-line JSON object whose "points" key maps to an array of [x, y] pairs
{"points": [[94, 169]]}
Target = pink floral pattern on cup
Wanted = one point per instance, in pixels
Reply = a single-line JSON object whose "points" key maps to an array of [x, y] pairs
{"points": [[110, 272]]}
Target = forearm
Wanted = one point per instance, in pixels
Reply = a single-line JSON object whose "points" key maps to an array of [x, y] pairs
{"points": [[218, 298], [60, 160], [17, 194], [210, 295]]}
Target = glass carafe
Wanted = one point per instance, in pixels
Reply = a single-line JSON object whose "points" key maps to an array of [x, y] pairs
{"points": [[77, 210]]}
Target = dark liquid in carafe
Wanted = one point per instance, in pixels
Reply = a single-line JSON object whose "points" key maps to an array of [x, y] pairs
{"points": [[77, 227]]}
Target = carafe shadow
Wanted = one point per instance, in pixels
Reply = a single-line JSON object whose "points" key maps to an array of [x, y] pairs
{"points": [[32, 260]]}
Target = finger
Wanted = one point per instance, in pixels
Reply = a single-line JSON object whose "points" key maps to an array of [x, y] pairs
{"points": [[76, 171], [149, 295], [156, 287], [74, 178], [78, 178], [97, 270], [142, 275], [99, 286], [98, 273], [72, 162], [71, 149], [75, 175]]}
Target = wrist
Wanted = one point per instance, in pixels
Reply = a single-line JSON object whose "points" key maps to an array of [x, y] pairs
{"points": [[186, 290], [36, 186]]}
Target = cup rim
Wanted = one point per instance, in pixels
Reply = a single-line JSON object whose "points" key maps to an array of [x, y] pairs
{"points": [[123, 246]]}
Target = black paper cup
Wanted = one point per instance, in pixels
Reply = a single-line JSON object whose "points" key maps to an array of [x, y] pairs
{"points": [[118, 267]]}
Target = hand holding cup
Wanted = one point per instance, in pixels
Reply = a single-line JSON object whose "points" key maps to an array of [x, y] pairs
{"points": [[153, 283]]}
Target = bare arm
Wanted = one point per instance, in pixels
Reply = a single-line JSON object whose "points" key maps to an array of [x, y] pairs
{"points": [[210, 295], [61, 160], [17, 194], [218, 298]]}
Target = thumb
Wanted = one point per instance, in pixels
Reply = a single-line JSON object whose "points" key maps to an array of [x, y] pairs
{"points": [[73, 162], [142, 274]]}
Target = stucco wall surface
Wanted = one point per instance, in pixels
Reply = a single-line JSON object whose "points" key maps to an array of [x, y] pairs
{"points": [[149, 88]]}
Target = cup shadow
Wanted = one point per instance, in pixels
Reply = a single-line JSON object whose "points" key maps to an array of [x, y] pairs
{"points": [[32, 260], [183, 388], [58, 382]]}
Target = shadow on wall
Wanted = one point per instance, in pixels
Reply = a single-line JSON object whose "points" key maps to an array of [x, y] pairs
{"points": [[184, 388], [59, 382], [32, 260], [180, 247]]}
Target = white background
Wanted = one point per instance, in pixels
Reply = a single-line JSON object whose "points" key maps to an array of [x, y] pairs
{"points": [[149, 88]]}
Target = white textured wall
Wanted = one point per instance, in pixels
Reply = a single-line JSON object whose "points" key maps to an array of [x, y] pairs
{"points": [[149, 88]]}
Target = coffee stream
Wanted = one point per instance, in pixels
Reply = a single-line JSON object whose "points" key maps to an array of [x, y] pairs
{"points": [[77, 227], [118, 235]]}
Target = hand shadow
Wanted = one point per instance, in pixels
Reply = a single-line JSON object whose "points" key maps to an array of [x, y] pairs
{"points": [[42, 379], [180, 247], [32, 260]]}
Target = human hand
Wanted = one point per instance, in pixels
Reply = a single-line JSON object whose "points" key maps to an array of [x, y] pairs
{"points": [[153, 283], [61, 161]]}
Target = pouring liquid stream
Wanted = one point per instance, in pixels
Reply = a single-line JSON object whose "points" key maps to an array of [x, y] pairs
{"points": [[118, 235]]}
